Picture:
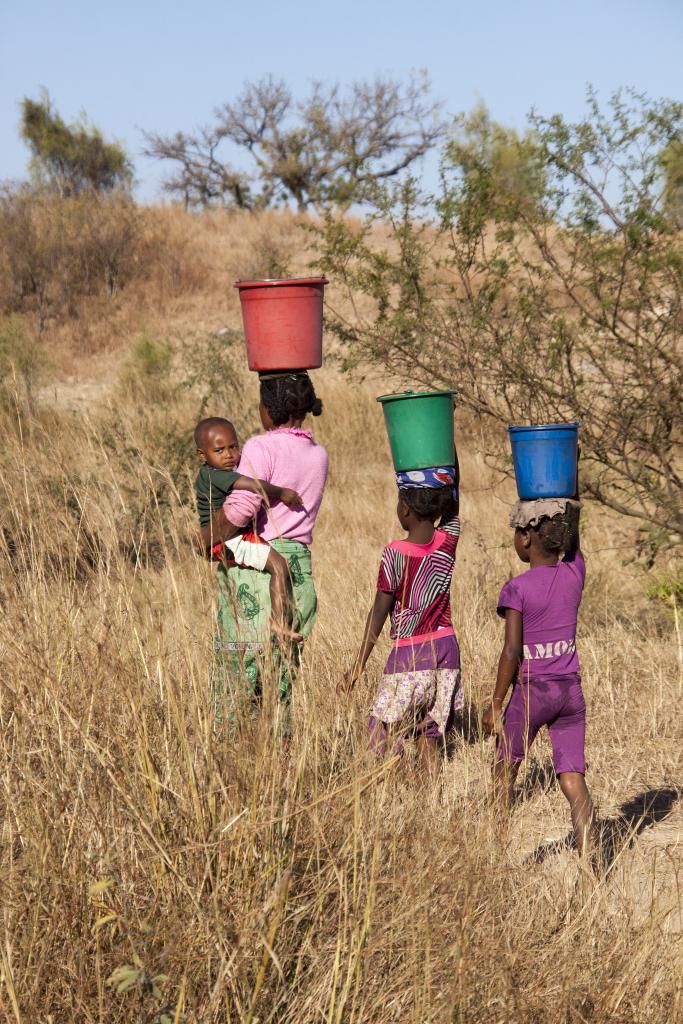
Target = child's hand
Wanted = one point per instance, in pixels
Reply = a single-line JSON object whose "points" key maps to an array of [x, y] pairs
{"points": [[289, 497], [347, 682], [492, 721], [217, 553]]}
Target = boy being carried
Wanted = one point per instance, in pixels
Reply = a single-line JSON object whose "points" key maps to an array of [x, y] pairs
{"points": [[218, 450]]}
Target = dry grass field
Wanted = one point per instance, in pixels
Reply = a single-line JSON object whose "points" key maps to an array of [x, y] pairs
{"points": [[154, 868]]}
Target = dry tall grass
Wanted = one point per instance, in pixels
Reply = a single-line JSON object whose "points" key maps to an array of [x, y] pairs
{"points": [[154, 867]]}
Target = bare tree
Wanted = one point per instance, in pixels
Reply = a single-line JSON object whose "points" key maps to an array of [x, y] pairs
{"points": [[327, 148], [200, 179]]}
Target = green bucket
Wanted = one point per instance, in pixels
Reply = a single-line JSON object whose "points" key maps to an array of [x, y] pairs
{"points": [[420, 428]]}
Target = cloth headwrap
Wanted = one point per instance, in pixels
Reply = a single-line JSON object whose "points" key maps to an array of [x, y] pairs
{"points": [[530, 513], [439, 476]]}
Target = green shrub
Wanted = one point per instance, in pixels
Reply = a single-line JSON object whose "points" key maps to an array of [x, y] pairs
{"points": [[20, 364], [71, 159], [214, 373], [148, 457], [146, 373], [545, 296], [668, 591]]}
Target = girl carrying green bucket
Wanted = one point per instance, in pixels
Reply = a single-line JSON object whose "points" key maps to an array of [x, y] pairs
{"points": [[420, 690]]}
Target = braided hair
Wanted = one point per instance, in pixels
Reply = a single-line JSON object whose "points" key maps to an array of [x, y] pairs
{"points": [[289, 396]]}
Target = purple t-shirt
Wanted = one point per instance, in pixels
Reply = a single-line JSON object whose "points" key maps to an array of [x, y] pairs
{"points": [[548, 597]]}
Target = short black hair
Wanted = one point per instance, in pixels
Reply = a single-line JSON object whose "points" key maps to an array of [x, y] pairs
{"points": [[555, 533], [204, 426], [289, 396], [427, 502]]}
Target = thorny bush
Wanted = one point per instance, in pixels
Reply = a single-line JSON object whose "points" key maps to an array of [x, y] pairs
{"points": [[562, 303]]}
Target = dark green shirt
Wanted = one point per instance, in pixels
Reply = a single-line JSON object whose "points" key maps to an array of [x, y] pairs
{"points": [[212, 487]]}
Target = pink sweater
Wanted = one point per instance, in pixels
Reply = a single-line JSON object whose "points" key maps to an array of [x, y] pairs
{"points": [[286, 457]]}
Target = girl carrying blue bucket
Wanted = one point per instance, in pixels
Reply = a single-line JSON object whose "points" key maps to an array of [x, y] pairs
{"points": [[539, 659]]}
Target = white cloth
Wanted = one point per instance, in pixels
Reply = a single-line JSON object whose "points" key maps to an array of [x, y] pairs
{"points": [[245, 552]]}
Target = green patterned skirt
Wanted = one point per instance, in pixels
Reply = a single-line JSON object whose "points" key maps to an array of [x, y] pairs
{"points": [[246, 658]]}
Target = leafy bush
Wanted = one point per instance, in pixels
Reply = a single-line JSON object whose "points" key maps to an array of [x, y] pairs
{"points": [[562, 301], [71, 159], [668, 591], [146, 373], [148, 458], [20, 365], [214, 373]]}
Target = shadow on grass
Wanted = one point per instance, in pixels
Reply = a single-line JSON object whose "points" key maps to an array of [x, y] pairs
{"points": [[540, 777], [466, 725], [620, 832]]}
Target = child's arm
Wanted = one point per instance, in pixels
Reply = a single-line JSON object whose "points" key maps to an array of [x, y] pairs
{"points": [[508, 664], [373, 628], [575, 539], [451, 514], [284, 494]]}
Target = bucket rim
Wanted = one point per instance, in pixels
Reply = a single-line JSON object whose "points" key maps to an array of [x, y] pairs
{"points": [[414, 394], [571, 425], [278, 282]]}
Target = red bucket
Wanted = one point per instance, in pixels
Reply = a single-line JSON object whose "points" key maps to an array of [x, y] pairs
{"points": [[283, 323]]}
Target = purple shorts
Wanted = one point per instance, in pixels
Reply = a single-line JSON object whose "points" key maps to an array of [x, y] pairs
{"points": [[439, 652], [557, 702]]}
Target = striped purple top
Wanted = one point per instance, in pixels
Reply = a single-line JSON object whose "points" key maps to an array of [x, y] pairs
{"points": [[419, 577]]}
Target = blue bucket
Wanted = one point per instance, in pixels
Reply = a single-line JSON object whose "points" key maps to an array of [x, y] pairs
{"points": [[545, 460]]}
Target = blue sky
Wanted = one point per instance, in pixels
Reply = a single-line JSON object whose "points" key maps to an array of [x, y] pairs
{"points": [[165, 66]]}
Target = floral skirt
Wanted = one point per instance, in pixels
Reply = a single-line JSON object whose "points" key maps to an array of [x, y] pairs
{"points": [[421, 686]]}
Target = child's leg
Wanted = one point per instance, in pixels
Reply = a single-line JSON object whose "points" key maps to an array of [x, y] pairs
{"points": [[567, 735], [280, 599], [378, 736], [430, 742], [521, 722], [574, 787], [504, 775], [428, 749], [248, 550]]}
